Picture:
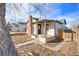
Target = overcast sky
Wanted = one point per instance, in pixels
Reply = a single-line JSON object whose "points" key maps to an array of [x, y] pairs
{"points": [[20, 12]]}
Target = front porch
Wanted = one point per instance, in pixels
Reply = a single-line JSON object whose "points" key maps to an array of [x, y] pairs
{"points": [[43, 38], [43, 30]]}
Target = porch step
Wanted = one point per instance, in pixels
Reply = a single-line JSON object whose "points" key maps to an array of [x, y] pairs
{"points": [[24, 43]]}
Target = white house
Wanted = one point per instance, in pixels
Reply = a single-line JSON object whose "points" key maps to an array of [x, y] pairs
{"points": [[45, 29]]}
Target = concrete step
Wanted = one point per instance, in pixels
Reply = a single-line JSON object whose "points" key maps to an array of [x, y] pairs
{"points": [[24, 43]]}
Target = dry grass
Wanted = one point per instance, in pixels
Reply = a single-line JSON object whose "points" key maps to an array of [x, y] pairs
{"points": [[34, 49], [69, 49], [38, 50], [51, 44], [20, 38]]}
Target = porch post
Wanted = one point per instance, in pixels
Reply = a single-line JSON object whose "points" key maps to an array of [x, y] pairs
{"points": [[36, 28], [45, 28]]}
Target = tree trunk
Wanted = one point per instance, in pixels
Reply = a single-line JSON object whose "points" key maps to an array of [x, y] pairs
{"points": [[6, 46]]}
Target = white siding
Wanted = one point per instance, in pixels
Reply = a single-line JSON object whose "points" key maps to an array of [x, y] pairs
{"points": [[56, 28], [22, 27], [34, 29], [50, 31], [67, 36]]}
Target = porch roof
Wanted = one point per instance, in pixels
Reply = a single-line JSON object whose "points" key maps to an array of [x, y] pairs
{"points": [[46, 20]]}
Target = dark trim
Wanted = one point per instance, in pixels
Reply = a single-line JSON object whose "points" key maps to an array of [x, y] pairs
{"points": [[47, 20]]}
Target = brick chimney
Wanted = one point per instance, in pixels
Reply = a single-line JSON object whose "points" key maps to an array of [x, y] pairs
{"points": [[30, 25]]}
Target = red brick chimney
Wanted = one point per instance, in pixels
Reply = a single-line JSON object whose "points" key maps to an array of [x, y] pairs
{"points": [[30, 25]]}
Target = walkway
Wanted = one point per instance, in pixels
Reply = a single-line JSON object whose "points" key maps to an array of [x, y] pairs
{"points": [[24, 43], [58, 47]]}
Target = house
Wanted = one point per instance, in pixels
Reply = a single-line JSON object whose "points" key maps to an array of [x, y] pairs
{"points": [[69, 35], [45, 29], [22, 26], [18, 27], [14, 27], [76, 29]]}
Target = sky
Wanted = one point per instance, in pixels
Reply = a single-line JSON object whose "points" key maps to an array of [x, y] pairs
{"points": [[21, 11]]}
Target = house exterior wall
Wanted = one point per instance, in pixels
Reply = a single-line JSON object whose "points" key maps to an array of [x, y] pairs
{"points": [[54, 28], [50, 30], [14, 29], [57, 27], [67, 36], [34, 29], [22, 28], [76, 34], [74, 37]]}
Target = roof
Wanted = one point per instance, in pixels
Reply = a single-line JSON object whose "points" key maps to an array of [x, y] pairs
{"points": [[22, 23], [35, 18], [69, 31], [47, 20], [63, 21]]}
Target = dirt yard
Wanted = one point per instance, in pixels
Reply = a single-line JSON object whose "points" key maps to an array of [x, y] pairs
{"points": [[35, 49], [68, 49], [51, 44], [20, 37]]}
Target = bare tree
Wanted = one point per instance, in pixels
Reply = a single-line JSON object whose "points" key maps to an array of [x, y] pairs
{"points": [[38, 9], [6, 46]]}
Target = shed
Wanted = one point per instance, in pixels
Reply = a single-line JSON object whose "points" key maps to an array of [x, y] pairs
{"points": [[69, 35]]}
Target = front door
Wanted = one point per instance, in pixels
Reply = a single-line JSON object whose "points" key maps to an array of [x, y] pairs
{"points": [[39, 28]]}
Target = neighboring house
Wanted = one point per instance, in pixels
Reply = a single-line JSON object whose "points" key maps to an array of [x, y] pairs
{"points": [[18, 27], [69, 35], [45, 29], [14, 27], [22, 26], [76, 29]]}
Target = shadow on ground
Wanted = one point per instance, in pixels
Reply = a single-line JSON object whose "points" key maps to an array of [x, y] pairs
{"points": [[56, 40]]}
